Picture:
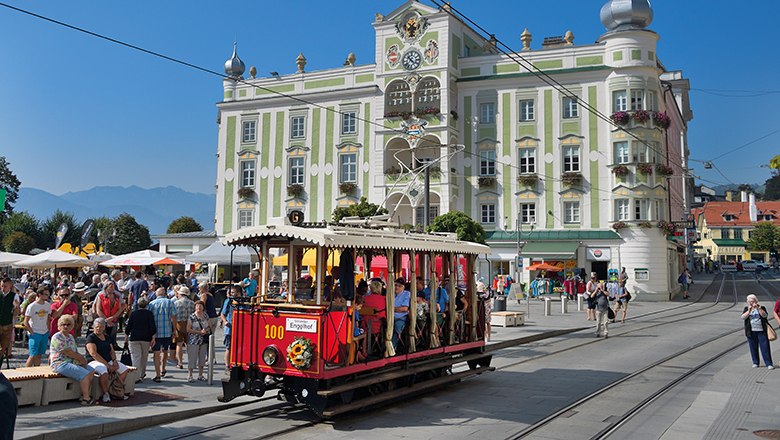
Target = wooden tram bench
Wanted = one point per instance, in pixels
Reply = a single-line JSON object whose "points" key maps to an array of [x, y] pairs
{"points": [[41, 386], [507, 319]]}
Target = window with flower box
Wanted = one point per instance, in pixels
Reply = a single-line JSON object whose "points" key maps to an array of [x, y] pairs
{"points": [[248, 132], [488, 211], [526, 110], [487, 113], [571, 212], [297, 167], [641, 209], [247, 173], [637, 99], [571, 159], [527, 160], [652, 101], [619, 101], [487, 163], [348, 168], [621, 152], [528, 213], [570, 108], [622, 209]]}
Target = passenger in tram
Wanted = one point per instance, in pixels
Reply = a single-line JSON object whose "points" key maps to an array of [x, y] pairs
{"points": [[376, 301], [402, 300]]}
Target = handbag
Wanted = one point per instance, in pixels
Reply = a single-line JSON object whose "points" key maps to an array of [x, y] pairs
{"points": [[771, 334], [116, 387], [610, 314], [126, 358]]}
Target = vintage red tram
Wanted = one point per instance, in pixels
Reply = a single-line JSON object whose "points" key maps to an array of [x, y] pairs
{"points": [[318, 345]]}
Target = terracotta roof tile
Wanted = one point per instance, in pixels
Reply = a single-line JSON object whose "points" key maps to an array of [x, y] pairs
{"points": [[714, 213]]}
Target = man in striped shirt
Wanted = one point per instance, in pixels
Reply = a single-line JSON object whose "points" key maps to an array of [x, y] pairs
{"points": [[164, 312]]}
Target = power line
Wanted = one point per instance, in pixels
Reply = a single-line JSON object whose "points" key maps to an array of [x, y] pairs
{"points": [[744, 145]]}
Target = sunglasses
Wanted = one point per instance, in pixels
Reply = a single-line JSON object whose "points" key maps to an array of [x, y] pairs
{"points": [[66, 325]]}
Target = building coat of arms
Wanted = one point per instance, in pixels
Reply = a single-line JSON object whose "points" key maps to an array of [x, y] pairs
{"points": [[393, 56], [431, 51], [411, 27], [413, 130]]}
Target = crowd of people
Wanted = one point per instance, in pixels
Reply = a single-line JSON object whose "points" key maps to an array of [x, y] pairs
{"points": [[77, 321]]}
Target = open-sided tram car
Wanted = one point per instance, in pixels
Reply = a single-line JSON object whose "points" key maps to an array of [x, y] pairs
{"points": [[305, 345]]}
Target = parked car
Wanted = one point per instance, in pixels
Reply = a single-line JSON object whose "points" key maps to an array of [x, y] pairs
{"points": [[760, 265], [749, 265]]}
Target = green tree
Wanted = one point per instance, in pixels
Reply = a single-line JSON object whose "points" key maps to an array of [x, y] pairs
{"points": [[130, 236], [22, 222], [766, 236], [10, 183], [464, 226], [18, 242], [50, 226], [362, 209], [184, 224], [772, 187], [103, 225]]}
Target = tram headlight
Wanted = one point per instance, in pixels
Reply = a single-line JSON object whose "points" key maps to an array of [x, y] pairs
{"points": [[270, 355]]}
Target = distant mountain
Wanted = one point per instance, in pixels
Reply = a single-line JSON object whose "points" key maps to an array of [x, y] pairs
{"points": [[154, 208]]}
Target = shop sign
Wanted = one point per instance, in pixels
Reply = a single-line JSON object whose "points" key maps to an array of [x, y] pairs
{"points": [[598, 254]]}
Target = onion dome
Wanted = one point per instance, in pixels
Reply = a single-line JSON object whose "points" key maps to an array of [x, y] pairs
{"points": [[618, 15], [234, 67]]}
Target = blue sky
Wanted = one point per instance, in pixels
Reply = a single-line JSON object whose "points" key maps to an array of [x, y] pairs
{"points": [[78, 112]]}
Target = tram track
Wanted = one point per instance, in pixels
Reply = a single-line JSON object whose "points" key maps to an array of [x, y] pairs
{"points": [[713, 351]]}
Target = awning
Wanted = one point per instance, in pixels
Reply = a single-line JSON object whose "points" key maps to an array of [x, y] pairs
{"points": [[551, 250], [502, 256], [730, 242]]}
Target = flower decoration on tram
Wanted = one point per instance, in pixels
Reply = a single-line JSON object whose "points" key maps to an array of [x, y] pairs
{"points": [[662, 120], [620, 171], [641, 116], [645, 168], [300, 353], [620, 118]]}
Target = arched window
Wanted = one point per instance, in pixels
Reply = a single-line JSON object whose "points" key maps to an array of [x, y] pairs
{"points": [[398, 98], [427, 98]]}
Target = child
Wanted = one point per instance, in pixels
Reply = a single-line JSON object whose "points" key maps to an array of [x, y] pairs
{"points": [[36, 321]]}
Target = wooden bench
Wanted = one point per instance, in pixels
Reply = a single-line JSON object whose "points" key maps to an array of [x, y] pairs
{"points": [[507, 319], [41, 386]]}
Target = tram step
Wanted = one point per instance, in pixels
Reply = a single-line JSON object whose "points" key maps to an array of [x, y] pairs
{"points": [[331, 412], [399, 373]]}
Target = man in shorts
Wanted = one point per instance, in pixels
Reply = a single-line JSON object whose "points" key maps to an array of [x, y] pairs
{"points": [[164, 312], [590, 295], [226, 320], [36, 322], [9, 310], [184, 308], [621, 301]]}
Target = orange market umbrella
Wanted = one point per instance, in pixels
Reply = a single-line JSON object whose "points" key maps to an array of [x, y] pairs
{"points": [[544, 266]]}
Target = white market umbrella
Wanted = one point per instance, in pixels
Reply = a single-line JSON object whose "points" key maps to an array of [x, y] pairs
{"points": [[218, 253], [145, 257], [9, 258], [52, 258]]}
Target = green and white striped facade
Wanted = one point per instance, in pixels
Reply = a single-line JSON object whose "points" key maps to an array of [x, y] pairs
{"points": [[474, 97]]}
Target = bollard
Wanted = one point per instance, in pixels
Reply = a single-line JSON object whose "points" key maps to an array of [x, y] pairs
{"points": [[564, 305], [579, 302], [547, 306], [211, 358]]}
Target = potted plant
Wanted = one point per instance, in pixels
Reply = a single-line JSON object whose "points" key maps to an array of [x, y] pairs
{"points": [[485, 181], [619, 225], [527, 179], [620, 118], [667, 227], [399, 114], [620, 171], [348, 187], [641, 116], [571, 179], [295, 190], [664, 170], [246, 192], [661, 120], [426, 111], [645, 225], [645, 168]]}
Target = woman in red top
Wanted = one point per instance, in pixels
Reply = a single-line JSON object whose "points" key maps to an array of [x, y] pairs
{"points": [[62, 306]]}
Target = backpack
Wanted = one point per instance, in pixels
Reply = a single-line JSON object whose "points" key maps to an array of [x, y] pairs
{"points": [[681, 278], [117, 386]]}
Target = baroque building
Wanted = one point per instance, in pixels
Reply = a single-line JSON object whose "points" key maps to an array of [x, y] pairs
{"points": [[576, 155]]}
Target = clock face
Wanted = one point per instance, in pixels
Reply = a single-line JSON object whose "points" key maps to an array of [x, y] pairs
{"points": [[411, 60]]}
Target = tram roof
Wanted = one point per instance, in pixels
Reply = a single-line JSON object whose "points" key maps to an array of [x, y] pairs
{"points": [[356, 237]]}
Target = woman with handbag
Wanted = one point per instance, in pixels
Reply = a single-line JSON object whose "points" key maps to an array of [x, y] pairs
{"points": [[198, 329], [756, 331], [104, 359]]}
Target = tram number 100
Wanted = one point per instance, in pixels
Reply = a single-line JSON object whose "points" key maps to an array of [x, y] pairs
{"points": [[274, 331]]}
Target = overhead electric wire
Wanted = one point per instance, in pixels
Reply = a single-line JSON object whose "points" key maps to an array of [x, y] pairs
{"points": [[744, 145], [331, 109]]}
